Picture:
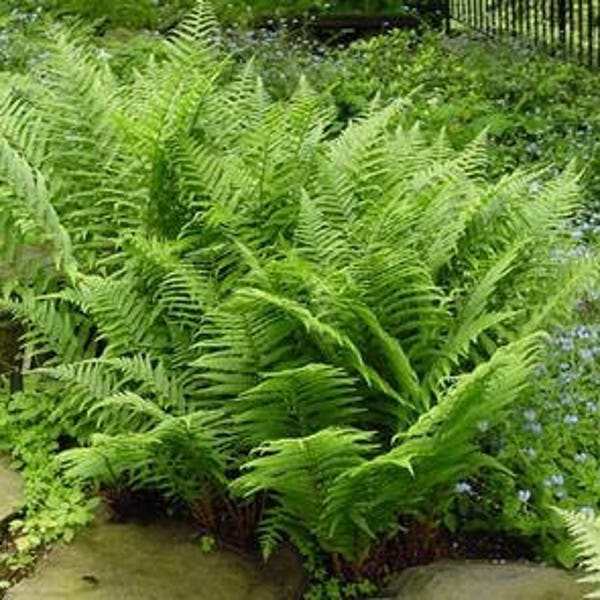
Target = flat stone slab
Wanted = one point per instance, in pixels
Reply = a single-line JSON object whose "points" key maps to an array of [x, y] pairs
{"points": [[478, 580], [12, 490], [156, 562]]}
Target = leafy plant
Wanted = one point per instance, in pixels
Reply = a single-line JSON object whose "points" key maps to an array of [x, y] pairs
{"points": [[55, 509], [273, 324], [537, 110], [586, 532], [551, 447]]}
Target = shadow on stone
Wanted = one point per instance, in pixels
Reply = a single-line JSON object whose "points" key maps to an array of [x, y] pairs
{"points": [[162, 561]]}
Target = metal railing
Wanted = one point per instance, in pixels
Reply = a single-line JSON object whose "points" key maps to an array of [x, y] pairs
{"points": [[567, 28]]}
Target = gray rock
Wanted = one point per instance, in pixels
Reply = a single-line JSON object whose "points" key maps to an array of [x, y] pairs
{"points": [[12, 490], [155, 562], [478, 580]]}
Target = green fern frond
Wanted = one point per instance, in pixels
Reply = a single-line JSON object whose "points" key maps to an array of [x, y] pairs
{"points": [[296, 403], [126, 321], [299, 473], [586, 534], [27, 199], [179, 456], [52, 330], [199, 31]]}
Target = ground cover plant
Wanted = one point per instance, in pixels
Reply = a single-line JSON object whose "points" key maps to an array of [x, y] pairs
{"points": [[241, 10], [291, 332], [135, 14], [536, 109]]}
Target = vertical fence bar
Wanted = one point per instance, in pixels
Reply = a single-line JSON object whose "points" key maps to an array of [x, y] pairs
{"points": [[596, 19], [520, 28], [597, 25], [580, 31], [590, 32], [497, 7], [571, 23], [544, 23], [552, 25], [536, 23], [561, 6]]}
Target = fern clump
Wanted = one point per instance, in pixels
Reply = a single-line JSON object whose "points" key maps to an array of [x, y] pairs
{"points": [[268, 322]]}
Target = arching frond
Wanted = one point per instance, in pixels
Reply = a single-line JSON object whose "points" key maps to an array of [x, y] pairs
{"points": [[586, 534], [299, 473], [296, 403]]}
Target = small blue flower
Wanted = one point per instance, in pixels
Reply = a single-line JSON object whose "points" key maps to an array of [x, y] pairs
{"points": [[530, 415], [524, 495], [587, 511], [462, 487], [571, 419], [535, 428], [531, 452], [583, 333], [554, 480], [581, 457]]}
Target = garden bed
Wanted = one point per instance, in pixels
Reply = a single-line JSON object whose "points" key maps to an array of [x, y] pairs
{"points": [[275, 306]]}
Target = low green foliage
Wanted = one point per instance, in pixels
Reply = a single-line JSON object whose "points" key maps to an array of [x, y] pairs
{"points": [[325, 587], [551, 446], [55, 509], [136, 14], [242, 10], [536, 109]]}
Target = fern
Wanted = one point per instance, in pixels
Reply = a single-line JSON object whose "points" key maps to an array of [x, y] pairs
{"points": [[249, 312], [586, 533], [299, 473], [296, 403]]}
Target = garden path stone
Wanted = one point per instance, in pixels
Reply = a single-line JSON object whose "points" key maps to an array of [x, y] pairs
{"points": [[113, 561], [12, 490], [475, 580]]}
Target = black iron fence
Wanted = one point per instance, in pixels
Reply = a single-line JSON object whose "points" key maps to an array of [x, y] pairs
{"points": [[569, 28]]}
